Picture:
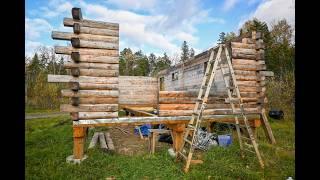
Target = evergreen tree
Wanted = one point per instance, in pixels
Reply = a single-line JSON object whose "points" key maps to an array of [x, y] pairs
{"points": [[152, 62], [222, 38], [185, 52], [191, 53]]}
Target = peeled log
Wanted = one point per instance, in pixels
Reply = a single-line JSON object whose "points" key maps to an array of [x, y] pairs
{"points": [[187, 100], [82, 79], [250, 67], [247, 62], [206, 112], [92, 86], [95, 100], [248, 78], [89, 93], [85, 51], [250, 89], [92, 66], [96, 31], [76, 13], [260, 54], [98, 59], [247, 41], [97, 115], [78, 43], [90, 23], [97, 72], [251, 83], [109, 141], [242, 45], [68, 36], [238, 53], [177, 94], [245, 73], [89, 107]]}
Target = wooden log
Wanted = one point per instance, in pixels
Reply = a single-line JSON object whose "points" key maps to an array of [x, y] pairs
{"points": [[95, 72], [89, 37], [206, 112], [92, 86], [95, 100], [242, 45], [94, 59], [240, 53], [94, 140], [208, 106], [247, 62], [260, 44], [97, 115], [77, 28], [249, 94], [78, 142], [75, 101], [77, 43], [266, 73], [247, 41], [82, 79], [85, 51], [245, 73], [89, 108], [187, 100], [92, 66], [76, 13], [250, 67], [89, 93], [102, 141], [251, 83], [177, 94], [89, 23], [109, 141], [250, 89], [260, 54], [248, 78]]}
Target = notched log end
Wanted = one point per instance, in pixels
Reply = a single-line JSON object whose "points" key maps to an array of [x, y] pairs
{"points": [[75, 86], [75, 42], [75, 72], [76, 28], [76, 13], [75, 56], [75, 101], [74, 116]]}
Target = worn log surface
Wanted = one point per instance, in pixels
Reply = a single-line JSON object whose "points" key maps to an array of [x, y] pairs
{"points": [[93, 86], [97, 31], [92, 66], [98, 59], [251, 83], [89, 93], [242, 45], [89, 108], [206, 112], [79, 43], [97, 100], [248, 78], [208, 106], [177, 94], [82, 79], [250, 67], [98, 72], [85, 51], [89, 37], [247, 41], [247, 62], [266, 73], [90, 23], [109, 141], [97, 115]]}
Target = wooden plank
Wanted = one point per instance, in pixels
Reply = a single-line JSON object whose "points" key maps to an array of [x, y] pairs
{"points": [[95, 31], [96, 72], [94, 140], [90, 93], [102, 141], [92, 86], [109, 141], [97, 100], [242, 45], [266, 73], [89, 23], [82, 79], [89, 37], [92, 66], [97, 115], [95, 59], [89, 107], [206, 112], [247, 62], [85, 51], [79, 43], [249, 67]]}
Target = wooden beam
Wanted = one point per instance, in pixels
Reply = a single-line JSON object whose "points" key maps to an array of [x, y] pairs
{"points": [[89, 23], [89, 107], [76, 13], [266, 73], [85, 51], [242, 45], [77, 28], [90, 93], [92, 86], [89, 37], [206, 112], [97, 115], [82, 79], [77, 43], [78, 142], [92, 66], [250, 67], [75, 56], [93, 100]]}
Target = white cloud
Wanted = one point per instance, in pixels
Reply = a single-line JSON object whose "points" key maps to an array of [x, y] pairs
{"points": [[30, 47], [229, 4], [134, 4], [34, 28], [273, 10]]}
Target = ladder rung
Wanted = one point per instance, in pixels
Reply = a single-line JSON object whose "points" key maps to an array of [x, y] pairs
{"points": [[184, 156], [248, 145], [204, 86], [227, 74], [188, 141], [207, 74], [191, 126], [199, 100], [235, 100], [194, 113], [245, 138], [248, 150]]}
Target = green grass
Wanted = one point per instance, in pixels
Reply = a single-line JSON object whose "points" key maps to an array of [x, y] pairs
{"points": [[31, 110], [49, 142]]}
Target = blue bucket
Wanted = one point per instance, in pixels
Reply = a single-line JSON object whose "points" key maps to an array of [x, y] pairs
{"points": [[224, 140]]}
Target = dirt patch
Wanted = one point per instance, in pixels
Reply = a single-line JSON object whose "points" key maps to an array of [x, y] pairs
{"points": [[132, 144]]}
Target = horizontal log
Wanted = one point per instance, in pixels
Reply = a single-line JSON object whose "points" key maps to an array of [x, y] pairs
{"points": [[90, 23], [177, 94], [249, 94], [247, 41], [77, 28], [97, 115], [245, 73], [85, 51], [144, 107], [98, 72], [89, 37], [238, 53], [249, 99], [187, 100], [249, 67], [247, 62], [79, 43], [266, 73], [92, 66], [92, 86], [208, 106], [82, 79], [89, 93], [89, 108], [96, 100], [260, 54], [206, 112], [242, 45], [248, 78], [76, 57], [251, 83], [250, 89]]}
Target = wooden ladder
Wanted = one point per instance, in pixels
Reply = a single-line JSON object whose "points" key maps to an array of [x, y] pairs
{"points": [[194, 123]]}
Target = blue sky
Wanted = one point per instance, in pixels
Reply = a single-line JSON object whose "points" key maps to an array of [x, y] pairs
{"points": [[154, 25]]}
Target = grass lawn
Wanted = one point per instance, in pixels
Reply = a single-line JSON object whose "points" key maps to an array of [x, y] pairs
{"points": [[49, 141]]}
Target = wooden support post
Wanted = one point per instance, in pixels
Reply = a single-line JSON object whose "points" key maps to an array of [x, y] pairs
{"points": [[177, 132], [78, 142], [266, 127]]}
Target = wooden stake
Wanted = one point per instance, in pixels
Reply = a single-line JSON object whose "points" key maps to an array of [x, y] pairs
{"points": [[109, 141], [102, 141], [94, 140]]}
